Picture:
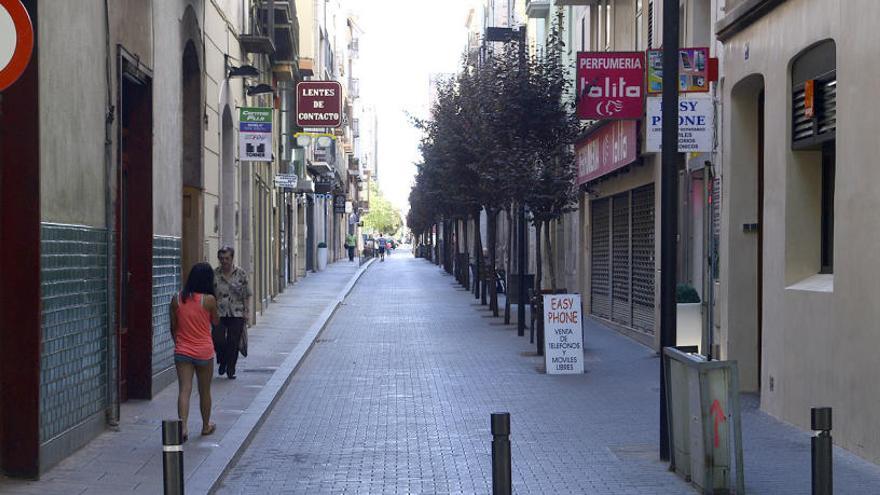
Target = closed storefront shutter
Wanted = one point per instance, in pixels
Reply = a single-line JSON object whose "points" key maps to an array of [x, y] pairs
{"points": [[600, 293], [620, 260], [643, 258]]}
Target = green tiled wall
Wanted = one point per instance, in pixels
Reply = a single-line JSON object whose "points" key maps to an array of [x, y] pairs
{"points": [[73, 367], [166, 282]]}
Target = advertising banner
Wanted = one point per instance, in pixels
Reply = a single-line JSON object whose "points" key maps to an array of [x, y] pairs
{"points": [[696, 124], [318, 104], [693, 70], [609, 148], [563, 334], [339, 203], [255, 134], [610, 85], [287, 181]]}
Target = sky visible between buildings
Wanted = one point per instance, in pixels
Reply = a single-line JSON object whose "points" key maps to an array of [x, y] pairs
{"points": [[403, 44]]}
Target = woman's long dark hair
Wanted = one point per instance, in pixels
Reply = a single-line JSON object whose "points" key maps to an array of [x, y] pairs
{"points": [[200, 281]]}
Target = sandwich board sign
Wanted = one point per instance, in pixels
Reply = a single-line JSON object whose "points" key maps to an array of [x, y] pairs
{"points": [[563, 334]]}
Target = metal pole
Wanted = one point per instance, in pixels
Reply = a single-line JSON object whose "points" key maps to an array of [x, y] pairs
{"points": [[668, 202], [172, 456], [501, 484], [822, 464]]}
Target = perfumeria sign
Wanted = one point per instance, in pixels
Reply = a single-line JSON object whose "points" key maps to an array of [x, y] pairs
{"points": [[610, 85]]}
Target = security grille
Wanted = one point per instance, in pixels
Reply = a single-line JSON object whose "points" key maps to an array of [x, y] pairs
{"points": [[600, 293], [810, 132], [621, 311], [643, 267]]}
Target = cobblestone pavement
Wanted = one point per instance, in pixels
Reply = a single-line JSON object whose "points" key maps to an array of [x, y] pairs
{"points": [[395, 397]]}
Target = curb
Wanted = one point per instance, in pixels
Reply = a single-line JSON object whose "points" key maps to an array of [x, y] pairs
{"points": [[207, 476]]}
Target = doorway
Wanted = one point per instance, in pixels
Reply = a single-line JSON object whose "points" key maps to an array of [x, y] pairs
{"points": [[192, 233], [744, 202], [135, 229]]}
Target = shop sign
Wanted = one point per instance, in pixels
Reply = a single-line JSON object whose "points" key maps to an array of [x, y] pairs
{"points": [[16, 41], [610, 85], [693, 70], [319, 104], [287, 181], [696, 124], [339, 203], [611, 147], [323, 184], [563, 334], [255, 134]]}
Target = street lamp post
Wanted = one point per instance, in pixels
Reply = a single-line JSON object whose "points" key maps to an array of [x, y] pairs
{"points": [[668, 203]]}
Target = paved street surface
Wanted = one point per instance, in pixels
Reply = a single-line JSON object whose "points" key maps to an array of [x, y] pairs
{"points": [[396, 395], [130, 460], [396, 398]]}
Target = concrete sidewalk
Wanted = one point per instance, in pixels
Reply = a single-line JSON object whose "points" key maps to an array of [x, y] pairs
{"points": [[130, 460]]}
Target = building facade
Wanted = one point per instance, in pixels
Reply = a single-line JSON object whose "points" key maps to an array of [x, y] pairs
{"points": [[795, 310]]}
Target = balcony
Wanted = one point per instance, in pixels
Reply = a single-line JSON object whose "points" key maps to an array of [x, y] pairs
{"points": [[282, 44], [322, 160], [538, 8]]}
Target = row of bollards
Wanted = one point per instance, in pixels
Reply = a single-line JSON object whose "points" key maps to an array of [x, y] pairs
{"points": [[172, 456], [820, 452]]}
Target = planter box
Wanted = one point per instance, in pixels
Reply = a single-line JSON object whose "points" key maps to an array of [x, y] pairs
{"points": [[322, 258], [689, 324]]}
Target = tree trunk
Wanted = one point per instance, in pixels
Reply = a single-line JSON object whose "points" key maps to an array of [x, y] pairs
{"points": [[509, 264], [539, 265], [466, 280], [493, 234], [478, 254], [551, 263]]}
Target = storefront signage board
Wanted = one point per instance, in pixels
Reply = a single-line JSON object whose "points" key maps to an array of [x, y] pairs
{"points": [[563, 334], [696, 124], [693, 70], [255, 134], [607, 149], [610, 85], [319, 104]]}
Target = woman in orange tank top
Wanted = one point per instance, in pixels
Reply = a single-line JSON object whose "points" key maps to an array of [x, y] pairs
{"points": [[193, 310]]}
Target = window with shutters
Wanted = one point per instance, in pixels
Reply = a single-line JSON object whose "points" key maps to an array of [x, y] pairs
{"points": [[813, 134], [600, 280]]}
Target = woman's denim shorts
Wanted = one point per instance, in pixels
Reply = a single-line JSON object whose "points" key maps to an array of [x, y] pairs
{"points": [[181, 358]]}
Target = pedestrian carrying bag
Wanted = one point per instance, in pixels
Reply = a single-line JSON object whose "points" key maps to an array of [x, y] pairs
{"points": [[243, 341]]}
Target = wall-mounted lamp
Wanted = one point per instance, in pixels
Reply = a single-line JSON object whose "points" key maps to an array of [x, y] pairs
{"points": [[259, 89], [243, 71]]}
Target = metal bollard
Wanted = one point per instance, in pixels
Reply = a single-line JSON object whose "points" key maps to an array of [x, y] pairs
{"points": [[822, 467], [172, 456], [501, 454]]}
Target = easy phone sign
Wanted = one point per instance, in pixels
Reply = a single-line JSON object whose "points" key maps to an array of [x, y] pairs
{"points": [[696, 124], [563, 334], [16, 41], [610, 85], [255, 134]]}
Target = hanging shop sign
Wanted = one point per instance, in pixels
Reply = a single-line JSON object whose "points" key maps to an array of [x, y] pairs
{"points": [[610, 85], [255, 134], [339, 203], [563, 334], [607, 149], [319, 104], [694, 70], [286, 181], [323, 184], [696, 124], [16, 41]]}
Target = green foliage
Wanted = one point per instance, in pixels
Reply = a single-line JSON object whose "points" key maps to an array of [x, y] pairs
{"points": [[382, 217], [686, 294]]}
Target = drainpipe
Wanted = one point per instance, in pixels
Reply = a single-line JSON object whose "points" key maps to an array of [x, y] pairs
{"points": [[112, 412]]}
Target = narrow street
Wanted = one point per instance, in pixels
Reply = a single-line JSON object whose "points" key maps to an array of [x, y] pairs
{"points": [[396, 394]]}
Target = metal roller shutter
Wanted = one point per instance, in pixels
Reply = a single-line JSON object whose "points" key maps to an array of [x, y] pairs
{"points": [[600, 292], [643, 259], [621, 310]]}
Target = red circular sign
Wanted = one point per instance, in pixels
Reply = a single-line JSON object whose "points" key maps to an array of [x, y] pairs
{"points": [[24, 42]]}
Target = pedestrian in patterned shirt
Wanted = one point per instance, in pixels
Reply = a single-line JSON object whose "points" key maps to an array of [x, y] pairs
{"points": [[233, 303]]}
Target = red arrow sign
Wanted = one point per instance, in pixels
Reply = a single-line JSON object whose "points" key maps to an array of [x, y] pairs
{"points": [[719, 416]]}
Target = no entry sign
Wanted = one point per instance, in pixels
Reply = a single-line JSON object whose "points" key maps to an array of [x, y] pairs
{"points": [[319, 104], [610, 85], [16, 41]]}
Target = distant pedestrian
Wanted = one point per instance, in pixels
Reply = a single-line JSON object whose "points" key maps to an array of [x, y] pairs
{"points": [[193, 310], [233, 303], [382, 243], [350, 245]]}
